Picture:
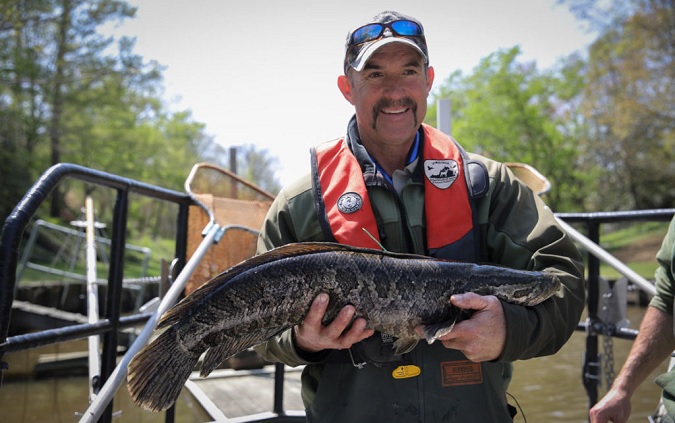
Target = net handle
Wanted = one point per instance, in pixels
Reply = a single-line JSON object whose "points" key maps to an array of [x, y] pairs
{"points": [[197, 167]]}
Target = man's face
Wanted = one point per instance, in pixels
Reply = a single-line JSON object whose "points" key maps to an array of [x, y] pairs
{"points": [[389, 95]]}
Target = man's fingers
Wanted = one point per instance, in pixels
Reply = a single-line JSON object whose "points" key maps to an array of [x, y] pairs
{"points": [[469, 301], [335, 329], [357, 332], [312, 335], [317, 310]]}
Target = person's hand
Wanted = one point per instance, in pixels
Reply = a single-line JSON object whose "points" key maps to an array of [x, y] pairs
{"points": [[482, 336], [613, 407], [313, 336]]}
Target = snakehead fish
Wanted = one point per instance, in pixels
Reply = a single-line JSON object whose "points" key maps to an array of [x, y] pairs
{"points": [[269, 293]]}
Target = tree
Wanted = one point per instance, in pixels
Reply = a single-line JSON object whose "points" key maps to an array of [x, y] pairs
{"points": [[251, 164], [510, 111], [629, 103], [70, 94]]}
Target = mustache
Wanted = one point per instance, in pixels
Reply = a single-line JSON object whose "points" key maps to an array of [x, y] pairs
{"points": [[406, 102]]}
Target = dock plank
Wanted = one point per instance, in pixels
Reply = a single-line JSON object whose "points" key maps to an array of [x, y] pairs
{"points": [[238, 393]]}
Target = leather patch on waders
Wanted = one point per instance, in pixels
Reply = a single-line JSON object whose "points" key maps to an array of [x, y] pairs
{"points": [[458, 373]]}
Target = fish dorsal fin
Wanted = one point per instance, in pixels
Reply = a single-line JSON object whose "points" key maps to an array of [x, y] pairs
{"points": [[181, 309]]}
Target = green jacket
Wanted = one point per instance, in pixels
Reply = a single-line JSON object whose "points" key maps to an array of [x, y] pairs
{"points": [[665, 273], [663, 300], [517, 230]]}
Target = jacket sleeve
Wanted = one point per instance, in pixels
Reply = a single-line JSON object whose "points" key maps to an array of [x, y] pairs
{"points": [[522, 232], [289, 219], [665, 273]]}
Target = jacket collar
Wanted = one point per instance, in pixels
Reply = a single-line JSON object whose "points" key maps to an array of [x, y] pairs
{"points": [[368, 166]]}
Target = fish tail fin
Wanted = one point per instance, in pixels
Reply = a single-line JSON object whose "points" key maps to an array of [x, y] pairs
{"points": [[156, 374]]}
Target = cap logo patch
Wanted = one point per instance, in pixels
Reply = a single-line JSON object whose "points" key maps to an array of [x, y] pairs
{"points": [[350, 202], [441, 173]]}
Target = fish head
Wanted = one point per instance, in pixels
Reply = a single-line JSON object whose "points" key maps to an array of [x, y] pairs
{"points": [[533, 292]]}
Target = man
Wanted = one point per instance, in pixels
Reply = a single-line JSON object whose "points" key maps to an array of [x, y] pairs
{"points": [[413, 189], [655, 341]]}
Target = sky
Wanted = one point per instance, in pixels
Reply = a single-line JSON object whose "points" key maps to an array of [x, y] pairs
{"points": [[264, 72]]}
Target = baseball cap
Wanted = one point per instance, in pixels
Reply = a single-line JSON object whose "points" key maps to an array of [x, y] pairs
{"points": [[384, 28]]}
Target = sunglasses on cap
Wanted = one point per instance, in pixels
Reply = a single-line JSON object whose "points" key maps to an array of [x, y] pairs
{"points": [[374, 31]]}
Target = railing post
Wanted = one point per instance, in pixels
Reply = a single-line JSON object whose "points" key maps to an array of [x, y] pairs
{"points": [[591, 365], [114, 300], [279, 370]]}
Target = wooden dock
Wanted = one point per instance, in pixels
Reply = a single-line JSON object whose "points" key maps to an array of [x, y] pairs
{"points": [[245, 395]]}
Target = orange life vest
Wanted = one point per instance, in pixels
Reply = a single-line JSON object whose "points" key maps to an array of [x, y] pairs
{"points": [[345, 209]]}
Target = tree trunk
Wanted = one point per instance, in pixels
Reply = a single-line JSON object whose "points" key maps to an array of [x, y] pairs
{"points": [[57, 100]]}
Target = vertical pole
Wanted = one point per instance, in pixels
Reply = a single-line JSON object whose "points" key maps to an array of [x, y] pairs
{"points": [[444, 116], [114, 300], [92, 300], [233, 169], [591, 365], [279, 388]]}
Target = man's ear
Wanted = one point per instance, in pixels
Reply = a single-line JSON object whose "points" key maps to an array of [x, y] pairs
{"points": [[345, 87], [430, 78]]}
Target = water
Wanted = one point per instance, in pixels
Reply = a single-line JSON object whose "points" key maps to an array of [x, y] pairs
{"points": [[548, 389], [64, 399]]}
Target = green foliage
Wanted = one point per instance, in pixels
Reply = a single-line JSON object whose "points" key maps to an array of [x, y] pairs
{"points": [[256, 165], [601, 129], [70, 94], [635, 236], [628, 104], [510, 111]]}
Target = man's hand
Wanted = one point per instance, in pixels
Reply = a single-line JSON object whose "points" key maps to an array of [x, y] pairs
{"points": [[312, 336], [614, 407], [482, 336]]}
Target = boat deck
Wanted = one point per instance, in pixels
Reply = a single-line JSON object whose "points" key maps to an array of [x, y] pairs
{"points": [[247, 393]]}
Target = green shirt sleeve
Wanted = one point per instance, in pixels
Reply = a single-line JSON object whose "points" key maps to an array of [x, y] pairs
{"points": [[665, 273]]}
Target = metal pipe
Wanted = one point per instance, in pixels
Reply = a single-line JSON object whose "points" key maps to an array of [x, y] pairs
{"points": [[590, 371], [114, 300], [108, 390], [92, 299], [16, 222], [606, 257]]}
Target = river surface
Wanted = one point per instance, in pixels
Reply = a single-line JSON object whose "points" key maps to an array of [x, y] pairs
{"points": [[548, 389]]}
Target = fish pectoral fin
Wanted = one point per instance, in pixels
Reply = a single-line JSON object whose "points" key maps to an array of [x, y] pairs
{"points": [[435, 331], [405, 345], [213, 357], [230, 345]]}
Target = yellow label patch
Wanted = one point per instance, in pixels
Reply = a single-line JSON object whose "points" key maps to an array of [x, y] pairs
{"points": [[404, 372]]}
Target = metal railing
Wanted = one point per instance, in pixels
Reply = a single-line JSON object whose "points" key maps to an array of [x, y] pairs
{"points": [[594, 325], [10, 239], [17, 222], [111, 376]]}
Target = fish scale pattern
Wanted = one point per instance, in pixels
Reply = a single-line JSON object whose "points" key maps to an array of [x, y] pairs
{"points": [[269, 293]]}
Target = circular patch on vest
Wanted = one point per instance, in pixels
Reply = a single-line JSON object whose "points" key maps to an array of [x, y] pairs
{"points": [[441, 173], [350, 202]]}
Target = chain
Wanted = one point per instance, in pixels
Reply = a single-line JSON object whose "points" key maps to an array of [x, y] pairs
{"points": [[608, 362]]}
